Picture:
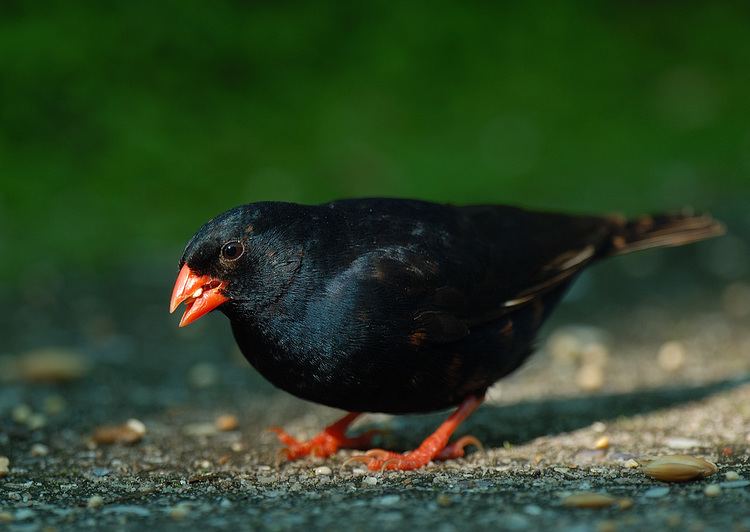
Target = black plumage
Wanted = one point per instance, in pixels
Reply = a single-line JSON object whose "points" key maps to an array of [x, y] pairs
{"points": [[386, 305]]}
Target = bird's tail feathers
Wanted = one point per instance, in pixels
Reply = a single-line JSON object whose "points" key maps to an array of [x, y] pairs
{"points": [[664, 230]]}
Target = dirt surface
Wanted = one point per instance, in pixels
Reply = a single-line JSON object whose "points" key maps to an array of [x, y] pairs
{"points": [[650, 365]]}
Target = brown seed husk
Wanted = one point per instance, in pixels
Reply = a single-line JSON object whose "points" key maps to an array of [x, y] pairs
{"points": [[679, 468], [227, 422], [4, 466], [127, 433], [589, 500], [602, 443], [50, 365]]}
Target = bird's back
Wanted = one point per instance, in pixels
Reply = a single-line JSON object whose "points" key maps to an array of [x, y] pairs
{"points": [[405, 306]]}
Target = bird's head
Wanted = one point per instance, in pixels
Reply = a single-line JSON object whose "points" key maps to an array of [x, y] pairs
{"points": [[238, 261]]}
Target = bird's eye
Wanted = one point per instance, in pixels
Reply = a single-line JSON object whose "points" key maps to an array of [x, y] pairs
{"points": [[232, 250]]}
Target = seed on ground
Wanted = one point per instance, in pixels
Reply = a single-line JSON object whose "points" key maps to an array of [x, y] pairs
{"points": [[128, 433], [679, 468], [227, 422], [589, 500], [602, 443]]}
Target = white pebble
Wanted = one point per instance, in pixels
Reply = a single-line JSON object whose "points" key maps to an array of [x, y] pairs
{"points": [[180, 510], [21, 413], [598, 426], [95, 501], [323, 470], [36, 421], [677, 442], [136, 426], [712, 490], [732, 475], [656, 492], [590, 377], [371, 481], [39, 449], [671, 356]]}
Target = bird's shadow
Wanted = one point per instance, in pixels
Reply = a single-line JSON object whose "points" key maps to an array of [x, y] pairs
{"points": [[498, 425]]}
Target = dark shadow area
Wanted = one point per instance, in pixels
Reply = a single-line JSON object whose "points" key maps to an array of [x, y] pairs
{"points": [[522, 422]]}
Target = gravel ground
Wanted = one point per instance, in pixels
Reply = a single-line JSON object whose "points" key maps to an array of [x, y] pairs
{"points": [[657, 364]]}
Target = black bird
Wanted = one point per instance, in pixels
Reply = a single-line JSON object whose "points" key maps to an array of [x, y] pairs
{"points": [[397, 306]]}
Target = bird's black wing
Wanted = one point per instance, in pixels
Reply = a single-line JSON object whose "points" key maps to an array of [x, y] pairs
{"points": [[469, 266]]}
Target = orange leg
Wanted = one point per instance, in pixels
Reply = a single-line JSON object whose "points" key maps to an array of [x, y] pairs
{"points": [[434, 447], [330, 440]]}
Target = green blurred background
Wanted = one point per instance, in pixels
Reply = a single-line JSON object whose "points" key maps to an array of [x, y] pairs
{"points": [[124, 126]]}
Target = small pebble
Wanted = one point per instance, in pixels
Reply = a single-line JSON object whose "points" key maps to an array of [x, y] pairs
{"points": [[51, 365], [237, 447], [323, 470], [590, 377], [387, 500], [657, 492], [136, 426], [180, 510], [732, 475], [444, 500], [21, 413], [595, 353], [681, 443], [631, 464], [712, 490], [532, 509], [370, 481], [227, 422], [95, 501], [39, 449], [36, 421], [4, 466], [671, 356], [598, 426]]}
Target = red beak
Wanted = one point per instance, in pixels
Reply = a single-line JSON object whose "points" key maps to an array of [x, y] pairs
{"points": [[202, 293]]}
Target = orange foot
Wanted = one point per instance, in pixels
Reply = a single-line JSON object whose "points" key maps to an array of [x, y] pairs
{"points": [[330, 440], [434, 447]]}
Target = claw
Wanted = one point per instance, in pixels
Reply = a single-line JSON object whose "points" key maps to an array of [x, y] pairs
{"points": [[398, 462], [326, 443], [361, 458], [283, 437], [380, 454], [470, 440]]}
